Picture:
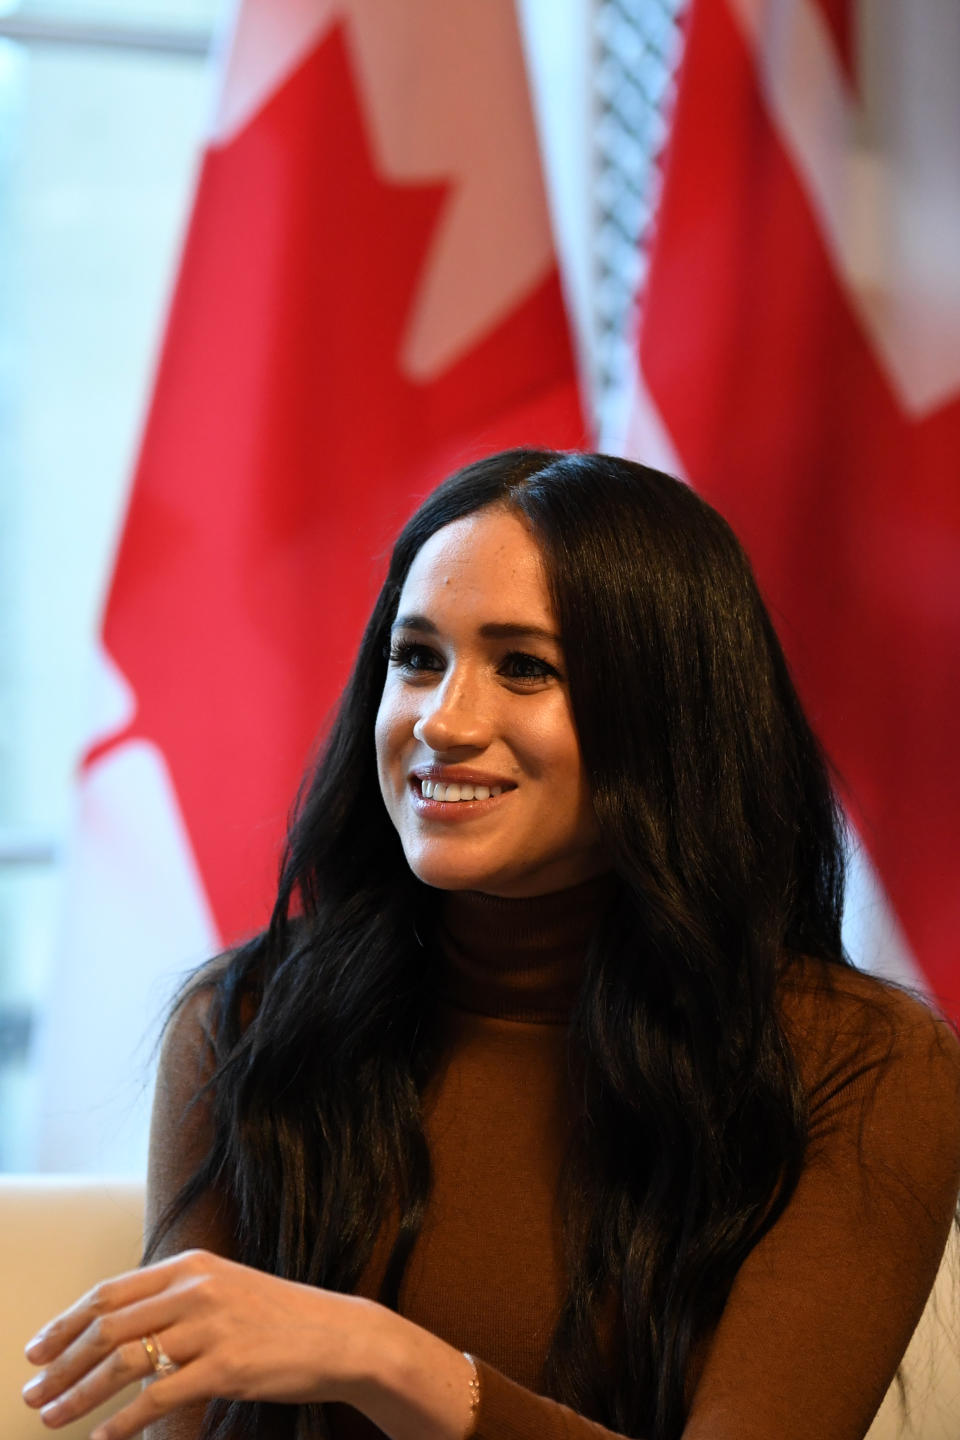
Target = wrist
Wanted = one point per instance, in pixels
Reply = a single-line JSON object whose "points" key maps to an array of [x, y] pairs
{"points": [[412, 1384], [377, 1359]]}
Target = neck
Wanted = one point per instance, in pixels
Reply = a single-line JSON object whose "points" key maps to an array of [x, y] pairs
{"points": [[520, 959]]}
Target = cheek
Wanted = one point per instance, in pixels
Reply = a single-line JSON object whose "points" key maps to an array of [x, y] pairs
{"points": [[391, 731], [562, 763], [549, 744], [381, 739]]}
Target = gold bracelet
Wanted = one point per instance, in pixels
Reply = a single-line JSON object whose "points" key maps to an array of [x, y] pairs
{"points": [[474, 1390]]}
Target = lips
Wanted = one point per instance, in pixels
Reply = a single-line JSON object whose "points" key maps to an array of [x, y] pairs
{"points": [[450, 783]]}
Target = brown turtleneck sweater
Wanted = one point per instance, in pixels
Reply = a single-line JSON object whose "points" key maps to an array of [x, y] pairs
{"points": [[822, 1309]]}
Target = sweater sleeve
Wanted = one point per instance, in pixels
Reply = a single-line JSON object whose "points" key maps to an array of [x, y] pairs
{"points": [[823, 1308], [180, 1137]]}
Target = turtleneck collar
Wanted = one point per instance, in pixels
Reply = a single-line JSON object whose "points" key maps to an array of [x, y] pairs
{"points": [[519, 959]]}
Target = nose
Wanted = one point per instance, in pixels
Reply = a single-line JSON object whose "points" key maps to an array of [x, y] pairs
{"points": [[453, 717]]}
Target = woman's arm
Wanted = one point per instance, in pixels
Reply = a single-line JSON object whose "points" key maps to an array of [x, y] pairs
{"points": [[235, 1332], [180, 1138], [815, 1325], [823, 1308], [247, 1335], [179, 1141]]}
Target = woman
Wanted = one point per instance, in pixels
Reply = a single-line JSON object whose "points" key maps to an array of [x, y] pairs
{"points": [[550, 1053]]}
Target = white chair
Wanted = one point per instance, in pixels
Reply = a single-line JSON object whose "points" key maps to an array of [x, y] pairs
{"points": [[931, 1366], [59, 1235]]}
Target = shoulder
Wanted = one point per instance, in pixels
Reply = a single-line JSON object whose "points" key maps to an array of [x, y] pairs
{"points": [[880, 1068], [182, 1127], [191, 1033], [832, 1012], [188, 1045], [188, 1058]]}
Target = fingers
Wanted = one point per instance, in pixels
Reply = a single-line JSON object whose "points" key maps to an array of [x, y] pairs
{"points": [[232, 1331], [103, 1299], [124, 1365], [158, 1398], [120, 1332], [94, 1349], [154, 1401]]}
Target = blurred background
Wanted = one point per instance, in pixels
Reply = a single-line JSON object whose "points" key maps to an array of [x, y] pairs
{"points": [[673, 352], [102, 112]]}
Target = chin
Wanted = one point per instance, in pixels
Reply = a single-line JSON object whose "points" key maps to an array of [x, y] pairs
{"points": [[525, 878], [488, 882], [446, 872], [445, 877]]}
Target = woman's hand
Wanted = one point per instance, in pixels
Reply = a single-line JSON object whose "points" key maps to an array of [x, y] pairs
{"points": [[230, 1331]]}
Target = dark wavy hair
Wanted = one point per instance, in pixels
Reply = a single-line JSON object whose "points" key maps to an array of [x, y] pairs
{"points": [[718, 814]]}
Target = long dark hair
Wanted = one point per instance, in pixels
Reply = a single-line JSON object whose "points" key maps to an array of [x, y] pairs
{"points": [[716, 807]]}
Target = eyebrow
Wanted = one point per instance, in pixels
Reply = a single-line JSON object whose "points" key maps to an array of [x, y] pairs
{"points": [[493, 630]]}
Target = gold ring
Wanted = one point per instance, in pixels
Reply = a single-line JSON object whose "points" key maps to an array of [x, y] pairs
{"points": [[158, 1357]]}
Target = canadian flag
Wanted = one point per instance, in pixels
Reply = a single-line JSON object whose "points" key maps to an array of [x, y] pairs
{"points": [[799, 360], [368, 297]]}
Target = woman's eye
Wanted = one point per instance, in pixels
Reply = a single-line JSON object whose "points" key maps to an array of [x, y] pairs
{"points": [[408, 655], [519, 666]]}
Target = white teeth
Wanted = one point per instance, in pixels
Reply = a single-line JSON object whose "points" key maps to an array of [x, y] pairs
{"points": [[437, 790]]}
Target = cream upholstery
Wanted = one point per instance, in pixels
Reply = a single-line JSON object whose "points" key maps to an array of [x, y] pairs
{"points": [[931, 1366], [60, 1234]]}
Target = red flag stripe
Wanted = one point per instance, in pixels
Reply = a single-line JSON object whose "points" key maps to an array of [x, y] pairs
{"points": [[784, 417]]}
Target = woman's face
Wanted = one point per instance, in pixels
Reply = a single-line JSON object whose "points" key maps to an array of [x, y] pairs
{"points": [[476, 696]]}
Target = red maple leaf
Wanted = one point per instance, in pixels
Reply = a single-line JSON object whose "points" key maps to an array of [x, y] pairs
{"points": [[283, 450]]}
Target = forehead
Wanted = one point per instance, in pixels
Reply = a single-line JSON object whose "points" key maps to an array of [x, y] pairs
{"points": [[487, 561]]}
